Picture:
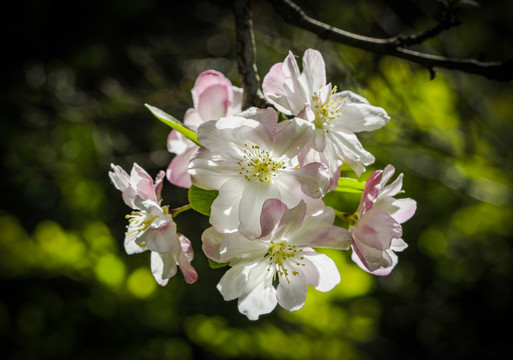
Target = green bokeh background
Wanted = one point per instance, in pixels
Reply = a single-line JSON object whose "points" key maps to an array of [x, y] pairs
{"points": [[74, 80]]}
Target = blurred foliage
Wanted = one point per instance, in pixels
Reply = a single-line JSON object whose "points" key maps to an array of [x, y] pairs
{"points": [[74, 84]]}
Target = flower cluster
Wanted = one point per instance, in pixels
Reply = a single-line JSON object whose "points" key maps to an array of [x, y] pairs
{"points": [[263, 174]]}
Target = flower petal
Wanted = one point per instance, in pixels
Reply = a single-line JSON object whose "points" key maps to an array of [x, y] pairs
{"points": [[233, 282], [163, 267], [250, 208], [260, 297], [329, 275], [314, 69], [272, 212], [224, 215], [291, 291]]}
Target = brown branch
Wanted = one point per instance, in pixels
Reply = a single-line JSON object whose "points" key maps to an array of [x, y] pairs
{"points": [[294, 15], [447, 20], [248, 73]]}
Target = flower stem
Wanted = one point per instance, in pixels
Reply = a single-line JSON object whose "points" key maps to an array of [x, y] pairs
{"points": [[178, 210]]}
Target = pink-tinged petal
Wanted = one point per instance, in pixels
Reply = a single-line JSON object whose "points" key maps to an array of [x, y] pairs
{"points": [[186, 247], [273, 89], [143, 183], [328, 277], [161, 236], [291, 220], [233, 282], [381, 271], [260, 296], [314, 69], [184, 258], [250, 208], [371, 259], [400, 209], [291, 291], [163, 267], [159, 183], [370, 192], [119, 177], [326, 236], [213, 102], [177, 172], [272, 212], [224, 215], [212, 241], [207, 80], [376, 229]]}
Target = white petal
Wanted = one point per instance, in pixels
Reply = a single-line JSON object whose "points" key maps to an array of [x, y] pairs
{"points": [[209, 171], [291, 292], [314, 69], [261, 297], [163, 267], [236, 248], [233, 282], [329, 276], [224, 215]]}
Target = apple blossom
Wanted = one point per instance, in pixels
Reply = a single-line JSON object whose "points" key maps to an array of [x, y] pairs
{"points": [[249, 160], [376, 226], [283, 254], [337, 116], [150, 226], [213, 97]]}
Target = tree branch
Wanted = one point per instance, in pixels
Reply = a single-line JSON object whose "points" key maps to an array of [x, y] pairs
{"points": [[394, 46], [248, 73]]}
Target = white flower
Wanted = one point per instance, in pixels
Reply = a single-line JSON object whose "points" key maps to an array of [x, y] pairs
{"points": [[213, 97], [337, 116], [376, 226], [283, 254], [250, 160], [150, 225]]}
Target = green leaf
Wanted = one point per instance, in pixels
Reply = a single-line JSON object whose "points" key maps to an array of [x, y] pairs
{"points": [[173, 123], [216, 265], [350, 185], [201, 200]]}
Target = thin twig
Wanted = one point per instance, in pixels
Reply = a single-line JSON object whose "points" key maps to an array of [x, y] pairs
{"points": [[293, 14]]}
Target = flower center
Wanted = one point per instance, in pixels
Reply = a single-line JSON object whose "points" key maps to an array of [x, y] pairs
{"points": [[258, 165], [138, 222], [279, 254], [327, 110]]}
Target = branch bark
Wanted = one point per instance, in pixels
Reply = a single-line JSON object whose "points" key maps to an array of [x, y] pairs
{"points": [[293, 14], [248, 73]]}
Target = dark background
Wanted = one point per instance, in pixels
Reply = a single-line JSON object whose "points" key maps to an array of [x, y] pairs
{"points": [[74, 80]]}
